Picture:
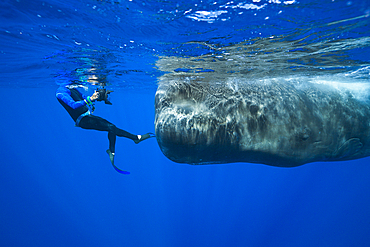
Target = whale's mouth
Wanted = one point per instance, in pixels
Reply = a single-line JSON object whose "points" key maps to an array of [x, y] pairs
{"points": [[194, 122]]}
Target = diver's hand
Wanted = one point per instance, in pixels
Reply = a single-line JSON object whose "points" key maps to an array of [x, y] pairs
{"points": [[95, 96]]}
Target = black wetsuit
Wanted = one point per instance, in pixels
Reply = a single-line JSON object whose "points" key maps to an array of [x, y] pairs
{"points": [[75, 104]]}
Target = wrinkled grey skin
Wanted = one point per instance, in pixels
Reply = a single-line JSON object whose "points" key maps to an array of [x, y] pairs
{"points": [[278, 124]]}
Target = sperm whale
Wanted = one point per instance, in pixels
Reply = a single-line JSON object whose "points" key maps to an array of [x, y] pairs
{"points": [[274, 122]]}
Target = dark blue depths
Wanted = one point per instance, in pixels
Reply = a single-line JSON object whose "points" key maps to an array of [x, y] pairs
{"points": [[58, 188]]}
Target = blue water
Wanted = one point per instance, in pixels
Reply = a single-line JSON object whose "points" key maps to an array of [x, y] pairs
{"points": [[58, 187]]}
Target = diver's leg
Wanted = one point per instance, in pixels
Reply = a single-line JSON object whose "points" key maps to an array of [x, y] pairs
{"points": [[98, 123], [112, 146], [112, 142], [122, 133], [136, 138]]}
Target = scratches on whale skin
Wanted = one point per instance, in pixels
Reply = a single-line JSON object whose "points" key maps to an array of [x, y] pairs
{"points": [[276, 123]]}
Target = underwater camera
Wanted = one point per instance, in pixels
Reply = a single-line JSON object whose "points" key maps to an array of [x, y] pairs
{"points": [[103, 95]]}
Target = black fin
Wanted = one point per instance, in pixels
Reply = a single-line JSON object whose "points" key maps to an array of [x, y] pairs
{"points": [[144, 137], [111, 157]]}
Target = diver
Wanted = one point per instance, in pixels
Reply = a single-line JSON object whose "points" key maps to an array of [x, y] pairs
{"points": [[80, 108]]}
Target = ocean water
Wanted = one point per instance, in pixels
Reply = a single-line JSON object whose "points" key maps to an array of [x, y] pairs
{"points": [[58, 187]]}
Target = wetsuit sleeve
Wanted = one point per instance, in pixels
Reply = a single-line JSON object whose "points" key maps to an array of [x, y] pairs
{"points": [[64, 95]]}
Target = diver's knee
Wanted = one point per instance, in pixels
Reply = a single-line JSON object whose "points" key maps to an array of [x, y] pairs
{"points": [[112, 128]]}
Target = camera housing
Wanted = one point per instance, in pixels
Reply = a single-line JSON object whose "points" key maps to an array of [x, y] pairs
{"points": [[103, 95]]}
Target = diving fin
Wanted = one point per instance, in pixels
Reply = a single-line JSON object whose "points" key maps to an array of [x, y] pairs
{"points": [[111, 157], [144, 137]]}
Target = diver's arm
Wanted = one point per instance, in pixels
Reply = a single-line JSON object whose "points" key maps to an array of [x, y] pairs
{"points": [[69, 101], [64, 95], [93, 97]]}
